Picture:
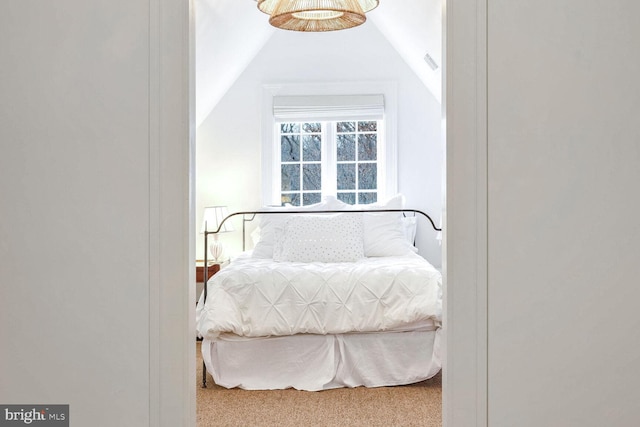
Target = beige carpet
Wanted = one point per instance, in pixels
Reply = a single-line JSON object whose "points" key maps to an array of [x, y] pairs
{"points": [[411, 405]]}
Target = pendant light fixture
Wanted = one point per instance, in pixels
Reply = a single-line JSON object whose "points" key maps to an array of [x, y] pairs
{"points": [[316, 15]]}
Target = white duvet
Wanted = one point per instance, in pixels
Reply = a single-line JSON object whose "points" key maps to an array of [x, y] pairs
{"points": [[260, 297]]}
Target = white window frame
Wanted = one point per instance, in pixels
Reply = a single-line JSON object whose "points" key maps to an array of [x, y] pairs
{"points": [[387, 180]]}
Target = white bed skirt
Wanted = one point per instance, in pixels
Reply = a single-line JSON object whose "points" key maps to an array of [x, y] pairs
{"points": [[321, 362]]}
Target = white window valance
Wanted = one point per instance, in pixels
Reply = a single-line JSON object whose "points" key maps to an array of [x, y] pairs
{"points": [[328, 108]]}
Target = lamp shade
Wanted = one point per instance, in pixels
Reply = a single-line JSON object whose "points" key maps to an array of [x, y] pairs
{"points": [[212, 218], [268, 6], [316, 15]]}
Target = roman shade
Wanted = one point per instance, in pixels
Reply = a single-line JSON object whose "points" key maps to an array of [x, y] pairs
{"points": [[328, 108]]}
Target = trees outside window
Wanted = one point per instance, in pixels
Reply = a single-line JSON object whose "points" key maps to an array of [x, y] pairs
{"points": [[338, 158]]}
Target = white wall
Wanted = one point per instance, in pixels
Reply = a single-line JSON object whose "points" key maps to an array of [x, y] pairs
{"points": [[564, 236], [228, 141], [83, 266]]}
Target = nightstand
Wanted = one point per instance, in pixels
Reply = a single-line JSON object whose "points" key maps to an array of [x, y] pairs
{"points": [[213, 269]]}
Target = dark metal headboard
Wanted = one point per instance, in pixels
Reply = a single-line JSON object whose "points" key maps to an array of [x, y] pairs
{"points": [[250, 216]]}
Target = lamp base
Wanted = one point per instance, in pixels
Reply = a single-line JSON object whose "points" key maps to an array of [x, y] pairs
{"points": [[216, 249]]}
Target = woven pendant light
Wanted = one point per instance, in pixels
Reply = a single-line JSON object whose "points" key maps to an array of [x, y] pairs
{"points": [[268, 6], [316, 15]]}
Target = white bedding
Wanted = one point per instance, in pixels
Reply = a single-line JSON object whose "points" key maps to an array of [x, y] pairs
{"points": [[260, 297], [321, 362]]}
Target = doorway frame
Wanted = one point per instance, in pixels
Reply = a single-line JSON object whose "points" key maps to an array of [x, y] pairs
{"points": [[465, 237], [172, 213]]}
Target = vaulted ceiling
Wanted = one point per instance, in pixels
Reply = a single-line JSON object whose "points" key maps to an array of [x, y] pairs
{"points": [[229, 33]]}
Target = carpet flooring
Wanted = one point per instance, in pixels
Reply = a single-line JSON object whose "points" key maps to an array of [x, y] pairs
{"points": [[417, 404]]}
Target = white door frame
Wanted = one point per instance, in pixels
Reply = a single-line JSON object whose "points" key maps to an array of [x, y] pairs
{"points": [[172, 366], [171, 209], [465, 227]]}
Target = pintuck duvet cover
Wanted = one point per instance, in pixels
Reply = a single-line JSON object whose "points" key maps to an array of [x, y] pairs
{"points": [[263, 298]]}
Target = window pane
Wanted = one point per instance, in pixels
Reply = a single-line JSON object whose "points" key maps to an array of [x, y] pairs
{"points": [[367, 147], [346, 176], [346, 126], [311, 148], [367, 176], [349, 198], [311, 177], [367, 126], [311, 127], [289, 127], [366, 198], [311, 198], [291, 199], [290, 177], [290, 148], [346, 150]]}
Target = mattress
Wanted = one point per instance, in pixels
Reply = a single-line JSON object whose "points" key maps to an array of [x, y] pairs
{"points": [[260, 297]]}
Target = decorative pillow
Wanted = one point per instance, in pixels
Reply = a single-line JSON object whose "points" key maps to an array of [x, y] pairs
{"points": [[321, 238], [271, 227], [384, 233]]}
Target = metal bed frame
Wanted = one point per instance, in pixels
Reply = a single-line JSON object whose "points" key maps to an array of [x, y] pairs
{"points": [[251, 215]]}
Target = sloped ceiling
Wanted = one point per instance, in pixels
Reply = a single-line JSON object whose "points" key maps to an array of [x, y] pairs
{"points": [[229, 33]]}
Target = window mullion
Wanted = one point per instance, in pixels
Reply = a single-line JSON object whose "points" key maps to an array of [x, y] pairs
{"points": [[301, 163], [276, 187], [357, 153], [329, 169]]}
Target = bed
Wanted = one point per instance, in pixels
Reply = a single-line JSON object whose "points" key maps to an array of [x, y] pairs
{"points": [[330, 296]]}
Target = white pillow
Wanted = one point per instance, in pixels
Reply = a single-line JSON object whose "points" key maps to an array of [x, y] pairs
{"points": [[272, 225], [321, 238], [333, 204], [409, 226], [384, 233]]}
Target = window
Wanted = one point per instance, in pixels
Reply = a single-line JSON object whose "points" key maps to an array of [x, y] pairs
{"points": [[321, 145], [357, 161], [320, 158], [301, 163]]}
